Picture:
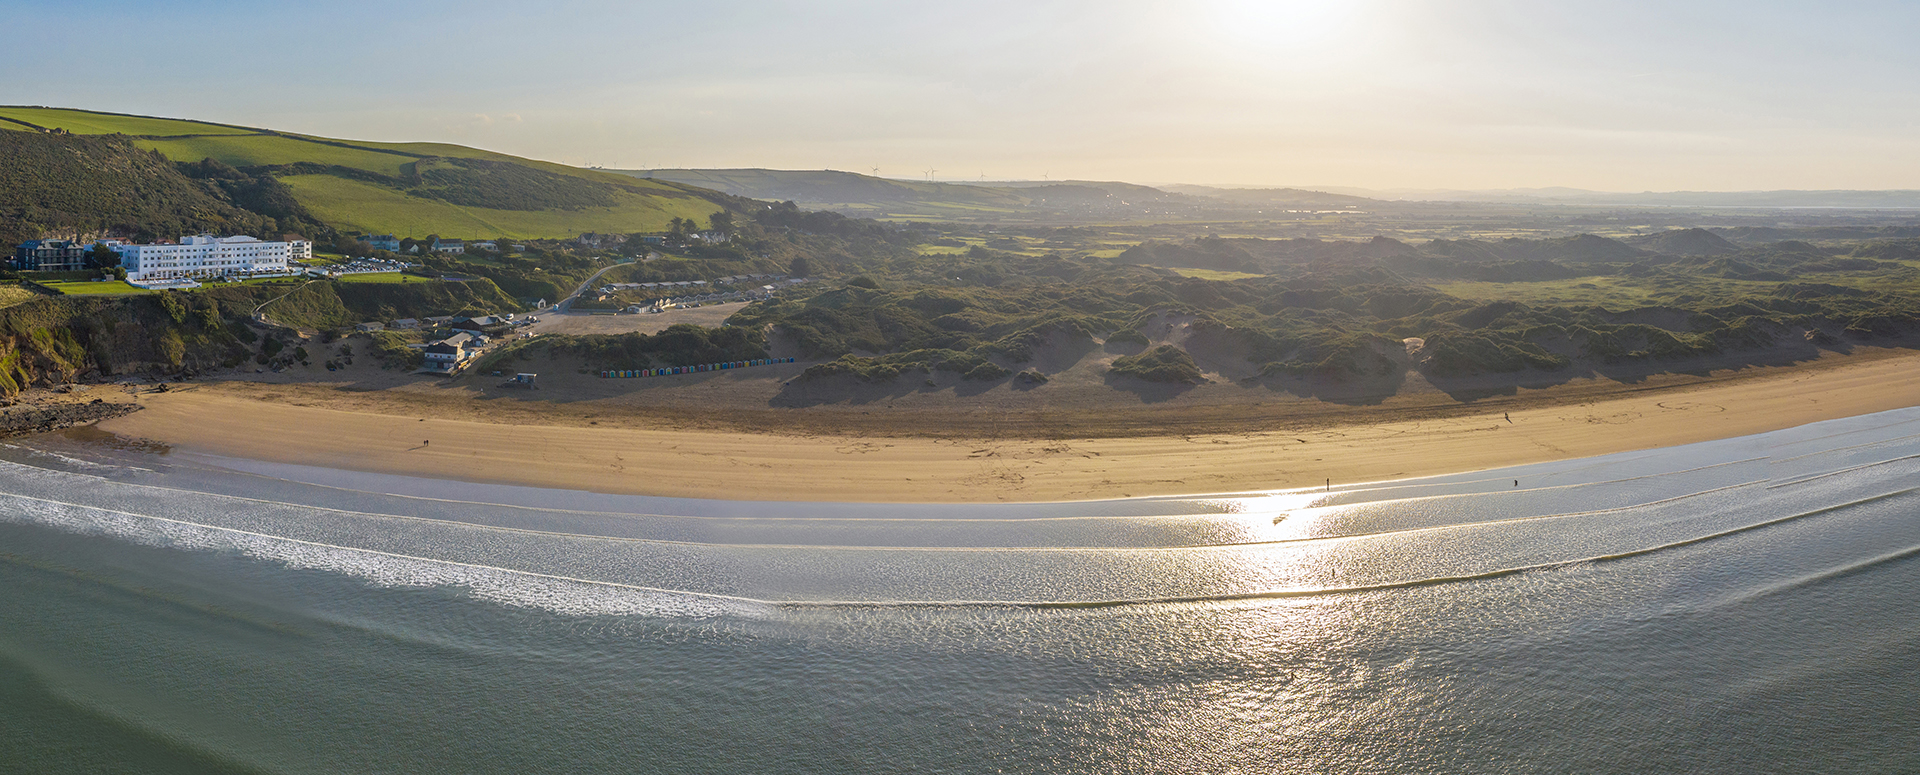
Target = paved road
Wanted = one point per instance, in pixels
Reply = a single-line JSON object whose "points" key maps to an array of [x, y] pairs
{"points": [[567, 303]]}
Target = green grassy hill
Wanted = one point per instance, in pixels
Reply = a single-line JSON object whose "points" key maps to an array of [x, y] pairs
{"points": [[402, 188], [1280, 197], [61, 185], [849, 193], [869, 196]]}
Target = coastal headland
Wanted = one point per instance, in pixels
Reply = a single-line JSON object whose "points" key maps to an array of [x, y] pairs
{"points": [[977, 453]]}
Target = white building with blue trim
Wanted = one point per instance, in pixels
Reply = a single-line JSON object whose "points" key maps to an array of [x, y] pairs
{"points": [[209, 256]]}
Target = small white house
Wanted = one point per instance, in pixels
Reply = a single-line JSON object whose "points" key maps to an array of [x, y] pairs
{"points": [[449, 354]]}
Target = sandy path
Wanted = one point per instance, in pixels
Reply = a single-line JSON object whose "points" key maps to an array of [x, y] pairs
{"points": [[720, 464]]}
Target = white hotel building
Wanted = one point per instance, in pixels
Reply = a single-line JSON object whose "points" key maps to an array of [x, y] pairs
{"points": [[208, 256]]}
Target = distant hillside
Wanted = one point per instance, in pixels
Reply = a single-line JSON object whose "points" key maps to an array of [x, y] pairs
{"points": [[1110, 187], [1902, 199], [1279, 197], [1685, 242], [72, 185], [403, 188], [875, 197], [845, 192]]}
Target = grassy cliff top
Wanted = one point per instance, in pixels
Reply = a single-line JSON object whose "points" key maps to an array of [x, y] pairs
{"points": [[404, 188]]}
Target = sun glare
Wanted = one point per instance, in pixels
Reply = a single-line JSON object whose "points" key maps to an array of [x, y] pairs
{"points": [[1282, 28], [1281, 21]]}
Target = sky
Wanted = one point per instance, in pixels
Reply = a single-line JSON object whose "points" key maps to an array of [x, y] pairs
{"points": [[1631, 95]]}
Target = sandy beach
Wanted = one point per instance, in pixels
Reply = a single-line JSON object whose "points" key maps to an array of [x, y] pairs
{"points": [[630, 454]]}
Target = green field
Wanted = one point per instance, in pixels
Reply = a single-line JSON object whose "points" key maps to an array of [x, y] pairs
{"points": [[388, 278], [90, 288], [1214, 274], [463, 152], [13, 126], [438, 149], [351, 204], [84, 123], [262, 150]]}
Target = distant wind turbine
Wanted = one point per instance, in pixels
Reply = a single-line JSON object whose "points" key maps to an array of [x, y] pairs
{"points": [[876, 172], [930, 172]]}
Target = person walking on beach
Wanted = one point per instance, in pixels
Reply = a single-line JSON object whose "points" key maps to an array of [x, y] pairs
{"points": [[1508, 416]]}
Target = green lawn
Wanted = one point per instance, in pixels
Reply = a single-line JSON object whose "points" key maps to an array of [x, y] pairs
{"points": [[81, 122], [109, 287], [257, 150], [1214, 274], [393, 278], [351, 204]]}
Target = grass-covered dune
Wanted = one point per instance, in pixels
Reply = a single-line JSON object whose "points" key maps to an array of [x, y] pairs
{"points": [[677, 345], [1359, 311], [371, 187]]}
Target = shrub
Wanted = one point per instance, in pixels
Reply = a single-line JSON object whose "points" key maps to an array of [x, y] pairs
{"points": [[1165, 363]]}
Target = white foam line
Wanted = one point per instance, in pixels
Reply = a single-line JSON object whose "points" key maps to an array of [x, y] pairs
{"points": [[1831, 574], [1850, 432], [1455, 525], [1843, 449], [85, 464], [649, 515], [1314, 592], [827, 547], [1454, 495], [987, 603], [1805, 479], [393, 555]]}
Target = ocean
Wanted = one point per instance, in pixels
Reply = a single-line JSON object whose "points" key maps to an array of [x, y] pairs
{"points": [[1749, 605]]}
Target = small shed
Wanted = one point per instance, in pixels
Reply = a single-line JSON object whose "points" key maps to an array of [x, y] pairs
{"points": [[369, 327]]}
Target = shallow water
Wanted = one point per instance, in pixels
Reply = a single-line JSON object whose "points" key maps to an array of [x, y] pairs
{"points": [[1736, 606]]}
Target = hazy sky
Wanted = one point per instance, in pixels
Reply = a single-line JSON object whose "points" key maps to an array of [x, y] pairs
{"points": [[1629, 95]]}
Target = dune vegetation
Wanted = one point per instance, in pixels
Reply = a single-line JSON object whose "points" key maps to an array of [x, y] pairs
{"points": [[1360, 310]]}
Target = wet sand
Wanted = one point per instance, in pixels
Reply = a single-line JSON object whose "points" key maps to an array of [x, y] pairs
{"points": [[803, 462]]}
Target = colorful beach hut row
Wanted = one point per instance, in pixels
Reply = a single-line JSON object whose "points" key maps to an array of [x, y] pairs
{"points": [[705, 367]]}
